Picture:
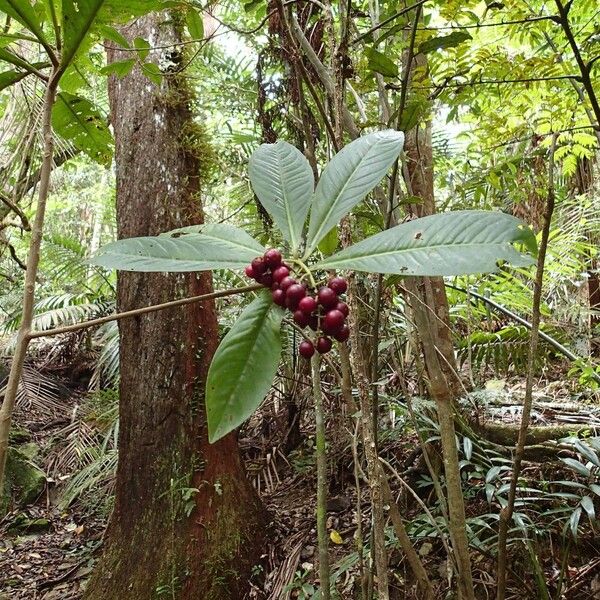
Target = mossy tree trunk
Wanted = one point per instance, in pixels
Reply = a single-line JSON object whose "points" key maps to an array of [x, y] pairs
{"points": [[166, 540]]}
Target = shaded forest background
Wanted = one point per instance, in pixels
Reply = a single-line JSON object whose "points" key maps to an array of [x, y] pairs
{"points": [[155, 118]]}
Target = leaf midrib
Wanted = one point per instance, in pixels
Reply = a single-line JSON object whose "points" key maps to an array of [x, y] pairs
{"points": [[287, 204], [324, 263], [261, 323], [320, 228], [67, 58]]}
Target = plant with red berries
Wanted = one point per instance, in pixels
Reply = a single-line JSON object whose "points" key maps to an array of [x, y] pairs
{"points": [[323, 310], [247, 359]]}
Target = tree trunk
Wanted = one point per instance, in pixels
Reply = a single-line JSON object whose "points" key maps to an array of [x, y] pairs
{"points": [[186, 523], [430, 291]]}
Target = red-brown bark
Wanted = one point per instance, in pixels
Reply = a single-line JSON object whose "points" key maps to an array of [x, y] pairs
{"points": [[164, 538]]}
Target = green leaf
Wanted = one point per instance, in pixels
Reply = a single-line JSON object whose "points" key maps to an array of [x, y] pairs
{"points": [[8, 78], [468, 447], [13, 59], [453, 243], [24, 13], [251, 5], [77, 19], [77, 120], [577, 466], [243, 368], [283, 181], [414, 111], [123, 11], [328, 245], [588, 505], [380, 63], [53, 11], [120, 68], [221, 232], [348, 178], [152, 72], [445, 41], [195, 24], [142, 46], [217, 247], [574, 521], [114, 35], [9, 38], [587, 453]]}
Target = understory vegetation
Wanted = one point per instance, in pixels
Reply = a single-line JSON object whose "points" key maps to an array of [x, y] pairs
{"points": [[434, 167]]}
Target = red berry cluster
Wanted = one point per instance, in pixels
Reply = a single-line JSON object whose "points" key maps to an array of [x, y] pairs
{"points": [[324, 312]]}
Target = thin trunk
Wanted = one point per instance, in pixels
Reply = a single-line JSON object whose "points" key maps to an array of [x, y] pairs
{"points": [[442, 395], [10, 396], [375, 472], [186, 523], [507, 512], [322, 485], [429, 305], [432, 295]]}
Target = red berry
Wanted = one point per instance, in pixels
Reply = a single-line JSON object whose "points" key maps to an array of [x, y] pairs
{"points": [[274, 286], [266, 279], [323, 345], [278, 297], [343, 333], [272, 258], [295, 292], [327, 297], [280, 273], [306, 349], [333, 320], [286, 282], [307, 305], [259, 266], [343, 308], [301, 318], [338, 284], [250, 272]]}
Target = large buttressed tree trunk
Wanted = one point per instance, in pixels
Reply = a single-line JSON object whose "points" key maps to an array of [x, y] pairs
{"points": [[164, 539]]}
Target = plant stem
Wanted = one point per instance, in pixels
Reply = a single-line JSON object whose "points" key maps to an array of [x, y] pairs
{"points": [[360, 548], [360, 370], [306, 270], [507, 513], [33, 258], [321, 454], [442, 395], [584, 69], [142, 311]]}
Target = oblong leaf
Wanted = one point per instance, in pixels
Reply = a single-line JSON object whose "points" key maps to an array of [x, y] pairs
{"points": [[453, 243], [588, 505], [8, 78], [77, 120], [577, 466], [350, 175], [217, 247], [380, 63], [77, 20], [283, 182], [25, 14], [243, 368], [223, 232], [446, 41]]}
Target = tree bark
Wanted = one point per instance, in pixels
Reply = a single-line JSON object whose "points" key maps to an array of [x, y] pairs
{"points": [[430, 291], [186, 522]]}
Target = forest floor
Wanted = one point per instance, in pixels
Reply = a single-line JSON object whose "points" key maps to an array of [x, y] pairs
{"points": [[51, 552]]}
